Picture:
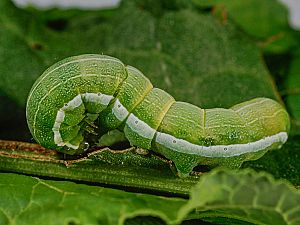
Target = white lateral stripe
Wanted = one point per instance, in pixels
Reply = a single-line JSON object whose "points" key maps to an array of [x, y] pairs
{"points": [[103, 99], [72, 146], [140, 127], [120, 111], [76, 102], [184, 146], [57, 138], [60, 116]]}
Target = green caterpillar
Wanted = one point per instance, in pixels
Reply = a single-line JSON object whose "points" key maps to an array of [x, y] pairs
{"points": [[80, 96]]}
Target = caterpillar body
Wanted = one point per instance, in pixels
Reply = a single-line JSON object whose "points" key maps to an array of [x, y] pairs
{"points": [[81, 95]]}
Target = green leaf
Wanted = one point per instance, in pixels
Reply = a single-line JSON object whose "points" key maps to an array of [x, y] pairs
{"points": [[211, 56], [266, 20], [272, 15], [29, 200], [19, 61], [242, 197], [218, 56], [281, 163], [293, 88]]}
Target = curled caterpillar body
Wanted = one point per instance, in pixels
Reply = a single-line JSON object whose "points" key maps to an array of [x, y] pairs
{"points": [[78, 96]]}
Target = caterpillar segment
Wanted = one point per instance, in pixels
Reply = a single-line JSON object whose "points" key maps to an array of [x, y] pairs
{"points": [[61, 116], [192, 136], [77, 97]]}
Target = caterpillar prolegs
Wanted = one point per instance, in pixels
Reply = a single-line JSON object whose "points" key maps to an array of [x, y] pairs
{"points": [[78, 96]]}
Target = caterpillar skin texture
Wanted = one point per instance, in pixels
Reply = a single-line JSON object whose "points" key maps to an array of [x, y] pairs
{"points": [[81, 95]]}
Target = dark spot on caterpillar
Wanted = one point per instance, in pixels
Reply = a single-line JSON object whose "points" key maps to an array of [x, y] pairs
{"points": [[99, 94], [174, 141], [66, 104], [225, 149], [119, 106], [136, 122]]}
